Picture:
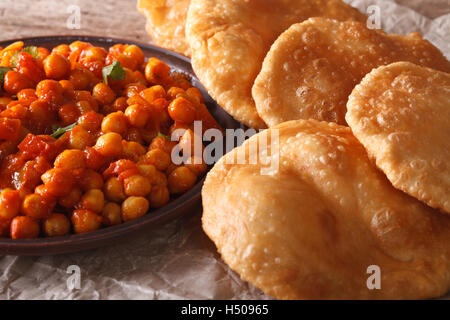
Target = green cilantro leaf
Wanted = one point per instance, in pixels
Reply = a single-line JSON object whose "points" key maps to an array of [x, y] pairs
{"points": [[60, 131], [3, 72], [113, 71], [32, 50], [163, 136]]}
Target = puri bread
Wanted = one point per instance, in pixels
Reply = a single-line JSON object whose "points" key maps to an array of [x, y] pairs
{"points": [[229, 40], [401, 114], [312, 68], [166, 21], [311, 230]]}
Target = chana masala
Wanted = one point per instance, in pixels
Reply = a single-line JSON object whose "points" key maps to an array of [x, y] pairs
{"points": [[84, 137]]}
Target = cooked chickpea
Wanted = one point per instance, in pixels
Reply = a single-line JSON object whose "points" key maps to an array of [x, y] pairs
{"points": [[50, 91], [109, 144], [115, 122], [71, 199], [158, 158], [58, 181], [153, 93], [93, 200], [62, 49], [135, 53], [68, 113], [132, 150], [195, 95], [70, 159], [113, 190], [111, 214], [15, 81], [159, 196], [181, 180], [24, 227], [137, 115], [182, 110], [90, 179], [85, 221], [136, 185], [103, 93], [147, 170], [56, 66], [120, 104], [158, 179], [196, 165], [80, 138], [35, 206], [134, 207], [10, 202], [57, 224], [156, 71], [90, 121]]}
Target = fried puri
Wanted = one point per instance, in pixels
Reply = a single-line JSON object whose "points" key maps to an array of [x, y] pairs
{"points": [[166, 20], [401, 114], [229, 40], [312, 68], [311, 229]]}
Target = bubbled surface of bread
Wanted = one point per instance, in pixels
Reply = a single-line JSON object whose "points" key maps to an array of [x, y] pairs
{"points": [[401, 114], [311, 229], [312, 67], [229, 40]]}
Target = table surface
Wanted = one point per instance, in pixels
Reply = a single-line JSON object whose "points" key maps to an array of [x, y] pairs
{"points": [[161, 264]]}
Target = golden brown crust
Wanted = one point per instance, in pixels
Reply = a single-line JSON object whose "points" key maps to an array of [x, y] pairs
{"points": [[166, 21], [310, 230], [401, 114], [229, 40], [312, 67]]}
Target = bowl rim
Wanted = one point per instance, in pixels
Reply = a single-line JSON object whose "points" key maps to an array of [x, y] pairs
{"points": [[85, 241]]}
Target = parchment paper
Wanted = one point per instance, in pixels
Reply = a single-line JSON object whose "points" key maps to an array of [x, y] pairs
{"points": [[176, 261]]}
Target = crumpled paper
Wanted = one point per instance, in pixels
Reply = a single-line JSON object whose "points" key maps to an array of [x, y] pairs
{"points": [[176, 261]]}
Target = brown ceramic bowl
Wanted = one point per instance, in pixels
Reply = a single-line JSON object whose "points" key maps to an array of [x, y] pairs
{"points": [[182, 205]]}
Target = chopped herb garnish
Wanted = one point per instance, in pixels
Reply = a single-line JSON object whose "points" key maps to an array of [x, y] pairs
{"points": [[3, 72], [163, 136], [32, 50], [113, 71], [60, 131]]}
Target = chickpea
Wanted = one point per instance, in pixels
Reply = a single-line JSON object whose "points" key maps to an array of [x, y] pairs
{"points": [[10, 202], [35, 206], [134, 207], [182, 110], [157, 157], [158, 179], [163, 144], [111, 214], [109, 144], [62, 49], [56, 225], [137, 185], [195, 95], [85, 221], [56, 66], [70, 159], [79, 45], [120, 104], [181, 180], [91, 121], [103, 93], [156, 71], [43, 191], [139, 78], [132, 150], [27, 94], [196, 165], [58, 181], [153, 93], [159, 196], [137, 115], [133, 89], [71, 199], [115, 122], [50, 91], [80, 138], [68, 113], [90, 179], [113, 190], [171, 167], [24, 227], [4, 101], [135, 53], [94, 53], [134, 134], [15, 81], [174, 92], [93, 200], [80, 79], [147, 170]]}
